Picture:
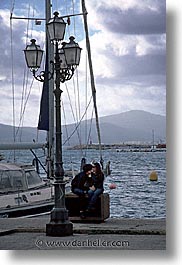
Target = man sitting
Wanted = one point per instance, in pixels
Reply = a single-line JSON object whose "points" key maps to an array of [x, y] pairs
{"points": [[80, 185]]}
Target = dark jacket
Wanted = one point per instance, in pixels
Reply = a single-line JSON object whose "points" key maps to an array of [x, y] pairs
{"points": [[98, 181], [81, 181]]}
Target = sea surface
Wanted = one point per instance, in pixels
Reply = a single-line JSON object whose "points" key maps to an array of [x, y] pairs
{"points": [[135, 195]]}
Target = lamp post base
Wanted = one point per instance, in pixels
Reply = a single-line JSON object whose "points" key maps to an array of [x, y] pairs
{"points": [[59, 224]]}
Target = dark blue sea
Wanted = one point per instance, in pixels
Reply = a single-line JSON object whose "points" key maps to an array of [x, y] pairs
{"points": [[135, 195]]}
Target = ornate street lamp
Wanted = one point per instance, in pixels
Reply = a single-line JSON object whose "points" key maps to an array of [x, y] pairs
{"points": [[56, 28], [33, 56], [66, 60], [72, 52]]}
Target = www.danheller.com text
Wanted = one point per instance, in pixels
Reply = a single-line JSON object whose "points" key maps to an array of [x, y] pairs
{"points": [[81, 243]]}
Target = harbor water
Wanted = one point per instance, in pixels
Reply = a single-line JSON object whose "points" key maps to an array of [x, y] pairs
{"points": [[135, 195]]}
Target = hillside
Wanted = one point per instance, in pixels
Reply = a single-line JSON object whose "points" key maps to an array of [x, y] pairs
{"points": [[132, 125]]}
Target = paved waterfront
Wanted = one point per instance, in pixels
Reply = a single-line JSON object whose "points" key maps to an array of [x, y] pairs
{"points": [[126, 234]]}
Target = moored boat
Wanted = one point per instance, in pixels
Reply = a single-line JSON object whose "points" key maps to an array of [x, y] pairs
{"points": [[22, 188]]}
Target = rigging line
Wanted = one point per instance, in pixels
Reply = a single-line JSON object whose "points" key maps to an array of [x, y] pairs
{"points": [[86, 97], [67, 28], [78, 104], [74, 89], [13, 81], [91, 76], [33, 15], [12, 73], [25, 106], [78, 94], [79, 121], [26, 74], [90, 130], [66, 128], [74, 22], [36, 157], [78, 111], [26, 85], [25, 70], [24, 92], [76, 122], [27, 36]]}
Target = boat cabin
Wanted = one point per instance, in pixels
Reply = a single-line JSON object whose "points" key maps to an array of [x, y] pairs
{"points": [[18, 178]]}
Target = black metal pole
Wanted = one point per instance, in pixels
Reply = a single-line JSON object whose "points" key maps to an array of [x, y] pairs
{"points": [[59, 224], [59, 171]]}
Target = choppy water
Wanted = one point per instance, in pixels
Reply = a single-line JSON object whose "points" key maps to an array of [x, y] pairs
{"points": [[135, 196]]}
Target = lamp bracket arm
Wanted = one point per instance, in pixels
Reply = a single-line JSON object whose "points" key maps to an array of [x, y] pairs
{"points": [[44, 75]]}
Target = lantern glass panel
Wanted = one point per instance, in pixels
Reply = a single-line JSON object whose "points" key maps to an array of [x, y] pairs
{"points": [[63, 64], [70, 55], [78, 54]]}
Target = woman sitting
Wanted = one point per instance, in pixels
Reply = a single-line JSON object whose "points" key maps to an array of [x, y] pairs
{"points": [[97, 186]]}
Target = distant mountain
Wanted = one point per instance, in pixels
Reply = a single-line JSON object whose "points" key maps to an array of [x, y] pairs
{"points": [[135, 125], [26, 134]]}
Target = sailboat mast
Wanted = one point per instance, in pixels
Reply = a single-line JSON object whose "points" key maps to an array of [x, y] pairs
{"points": [[50, 56], [153, 141], [92, 77]]}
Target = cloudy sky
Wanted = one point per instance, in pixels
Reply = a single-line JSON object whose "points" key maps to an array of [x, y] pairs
{"points": [[128, 42]]}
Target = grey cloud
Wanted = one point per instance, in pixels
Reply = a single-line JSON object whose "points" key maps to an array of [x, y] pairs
{"points": [[5, 49], [141, 65], [132, 67], [150, 93], [133, 20], [140, 80], [157, 44]]}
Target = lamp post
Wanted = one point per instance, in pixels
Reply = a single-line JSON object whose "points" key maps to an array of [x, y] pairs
{"points": [[65, 62]]}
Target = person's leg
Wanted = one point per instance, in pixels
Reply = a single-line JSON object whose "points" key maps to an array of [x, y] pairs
{"points": [[78, 191], [90, 194], [81, 195], [93, 198]]}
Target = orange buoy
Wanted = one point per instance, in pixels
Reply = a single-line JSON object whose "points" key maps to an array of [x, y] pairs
{"points": [[153, 176], [112, 186]]}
